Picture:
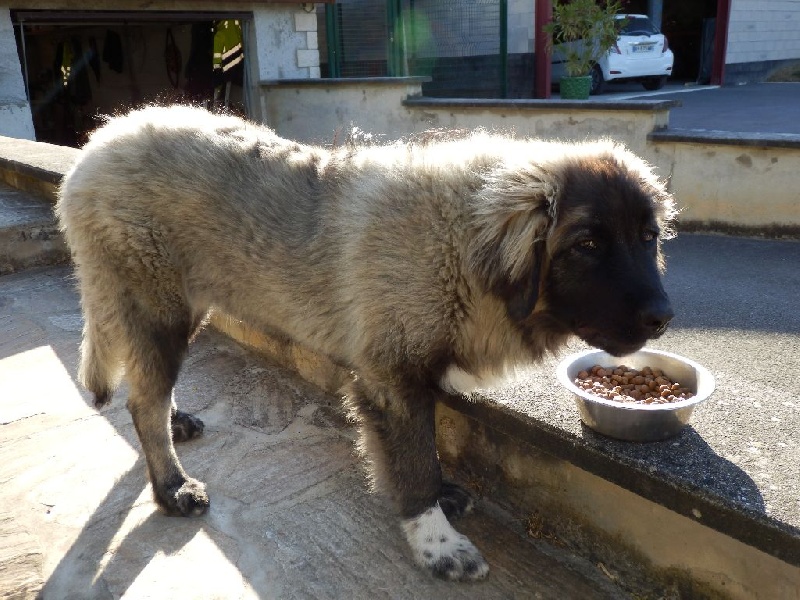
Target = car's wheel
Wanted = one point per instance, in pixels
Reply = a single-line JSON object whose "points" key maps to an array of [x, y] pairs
{"points": [[598, 83], [654, 83]]}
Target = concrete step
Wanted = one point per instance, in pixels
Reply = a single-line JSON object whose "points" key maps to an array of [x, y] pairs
{"points": [[291, 513], [29, 235], [29, 176]]}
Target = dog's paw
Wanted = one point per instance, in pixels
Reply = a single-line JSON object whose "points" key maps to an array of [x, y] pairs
{"points": [[192, 499], [186, 499], [441, 549], [455, 501], [185, 426]]}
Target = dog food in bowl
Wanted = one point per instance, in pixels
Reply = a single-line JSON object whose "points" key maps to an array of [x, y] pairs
{"points": [[625, 384], [636, 421]]}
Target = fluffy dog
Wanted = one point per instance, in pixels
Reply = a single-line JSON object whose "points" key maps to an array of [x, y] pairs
{"points": [[429, 268]]}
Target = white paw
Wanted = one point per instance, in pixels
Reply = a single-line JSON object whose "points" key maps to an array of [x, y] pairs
{"points": [[441, 549]]}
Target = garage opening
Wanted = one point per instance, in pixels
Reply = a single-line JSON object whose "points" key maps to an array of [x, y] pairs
{"points": [[79, 66], [690, 27]]}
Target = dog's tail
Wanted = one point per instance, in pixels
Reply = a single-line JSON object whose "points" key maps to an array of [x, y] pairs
{"points": [[100, 368]]}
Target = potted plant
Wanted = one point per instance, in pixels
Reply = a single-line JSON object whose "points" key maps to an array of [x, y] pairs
{"points": [[580, 33]]}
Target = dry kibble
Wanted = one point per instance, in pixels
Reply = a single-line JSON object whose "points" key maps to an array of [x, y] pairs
{"points": [[623, 384]]}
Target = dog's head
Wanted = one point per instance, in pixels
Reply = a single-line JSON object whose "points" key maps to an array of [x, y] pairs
{"points": [[571, 241]]}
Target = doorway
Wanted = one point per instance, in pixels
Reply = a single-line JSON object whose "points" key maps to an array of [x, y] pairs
{"points": [[690, 28], [80, 66]]}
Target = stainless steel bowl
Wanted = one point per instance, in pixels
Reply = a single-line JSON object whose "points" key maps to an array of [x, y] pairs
{"points": [[637, 422]]}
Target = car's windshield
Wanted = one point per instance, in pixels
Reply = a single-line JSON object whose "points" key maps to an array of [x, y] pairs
{"points": [[638, 26]]}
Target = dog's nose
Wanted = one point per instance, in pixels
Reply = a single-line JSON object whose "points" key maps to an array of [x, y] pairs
{"points": [[655, 317]]}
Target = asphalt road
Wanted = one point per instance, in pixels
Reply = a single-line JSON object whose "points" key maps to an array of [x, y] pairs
{"points": [[757, 108]]}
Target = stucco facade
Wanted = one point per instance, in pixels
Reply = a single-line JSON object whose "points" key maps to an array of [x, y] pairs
{"points": [[762, 34]]}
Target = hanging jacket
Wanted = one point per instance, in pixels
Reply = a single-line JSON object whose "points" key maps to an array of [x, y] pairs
{"points": [[228, 51]]}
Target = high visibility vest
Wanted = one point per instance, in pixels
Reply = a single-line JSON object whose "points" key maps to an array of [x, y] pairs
{"points": [[228, 49]]}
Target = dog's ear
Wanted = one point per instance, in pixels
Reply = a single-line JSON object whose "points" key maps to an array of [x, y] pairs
{"points": [[511, 212]]}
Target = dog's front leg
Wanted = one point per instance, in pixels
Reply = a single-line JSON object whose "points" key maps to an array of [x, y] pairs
{"points": [[398, 439]]}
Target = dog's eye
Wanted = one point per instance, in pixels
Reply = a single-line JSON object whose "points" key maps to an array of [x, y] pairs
{"points": [[649, 235], [587, 244]]}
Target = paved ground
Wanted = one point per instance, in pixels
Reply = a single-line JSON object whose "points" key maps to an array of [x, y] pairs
{"points": [[756, 108], [291, 516]]}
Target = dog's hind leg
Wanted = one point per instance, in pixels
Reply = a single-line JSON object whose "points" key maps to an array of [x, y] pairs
{"points": [[156, 353], [397, 429]]}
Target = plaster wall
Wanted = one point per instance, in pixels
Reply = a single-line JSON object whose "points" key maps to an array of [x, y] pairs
{"points": [[321, 113], [751, 187], [15, 111], [629, 128], [763, 30], [324, 113]]}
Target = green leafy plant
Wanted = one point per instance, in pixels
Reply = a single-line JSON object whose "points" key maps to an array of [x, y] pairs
{"points": [[587, 29]]}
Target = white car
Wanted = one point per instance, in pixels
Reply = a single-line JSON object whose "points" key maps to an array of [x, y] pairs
{"points": [[641, 53]]}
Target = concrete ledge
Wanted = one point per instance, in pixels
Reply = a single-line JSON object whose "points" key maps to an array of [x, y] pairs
{"points": [[727, 138], [636, 468], [631, 538], [774, 231], [344, 82], [463, 103], [34, 166]]}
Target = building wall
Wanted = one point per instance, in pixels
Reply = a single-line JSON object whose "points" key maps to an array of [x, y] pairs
{"points": [[286, 40], [762, 35], [15, 112], [285, 45]]}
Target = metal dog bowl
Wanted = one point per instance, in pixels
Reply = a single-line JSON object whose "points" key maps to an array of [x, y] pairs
{"points": [[637, 422]]}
